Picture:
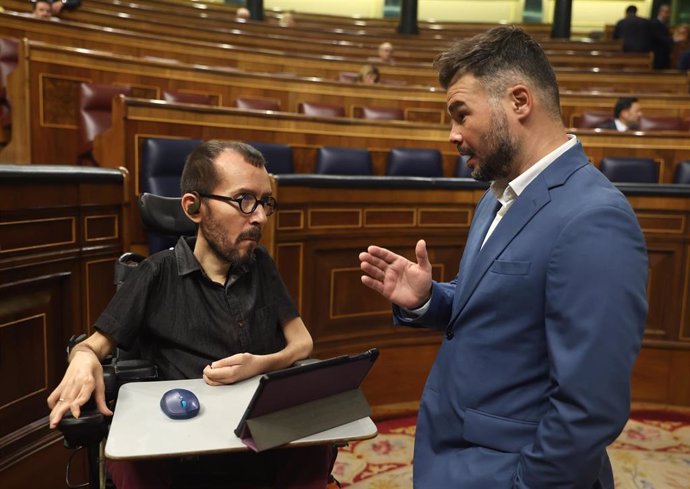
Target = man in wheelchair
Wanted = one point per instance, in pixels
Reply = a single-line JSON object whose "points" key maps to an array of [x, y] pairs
{"points": [[213, 306]]}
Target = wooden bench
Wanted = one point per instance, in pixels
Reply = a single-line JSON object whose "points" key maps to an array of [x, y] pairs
{"points": [[136, 119], [46, 83]]}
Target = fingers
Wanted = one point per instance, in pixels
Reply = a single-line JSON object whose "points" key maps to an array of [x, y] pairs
{"points": [[221, 375], [382, 255], [99, 395], [61, 407], [231, 361], [208, 379], [422, 254], [376, 285]]}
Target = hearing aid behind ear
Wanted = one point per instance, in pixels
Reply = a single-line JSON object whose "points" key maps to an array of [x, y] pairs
{"points": [[194, 207]]}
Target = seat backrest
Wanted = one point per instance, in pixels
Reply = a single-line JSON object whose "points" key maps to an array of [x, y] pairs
{"points": [[633, 170], [662, 123], [95, 107], [160, 167], [682, 173], [591, 120], [348, 76], [8, 57], [258, 103], [343, 161], [278, 157], [161, 162], [461, 168], [320, 109], [383, 113], [415, 162], [188, 98]]}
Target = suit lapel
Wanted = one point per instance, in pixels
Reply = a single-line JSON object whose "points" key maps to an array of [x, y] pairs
{"points": [[532, 199], [486, 211]]}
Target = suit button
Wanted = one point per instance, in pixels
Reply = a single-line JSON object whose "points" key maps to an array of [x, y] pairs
{"points": [[450, 334]]}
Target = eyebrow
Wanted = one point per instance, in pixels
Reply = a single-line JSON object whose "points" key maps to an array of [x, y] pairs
{"points": [[244, 190], [455, 106]]}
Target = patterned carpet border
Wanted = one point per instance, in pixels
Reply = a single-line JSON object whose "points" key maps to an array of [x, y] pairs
{"points": [[652, 452]]}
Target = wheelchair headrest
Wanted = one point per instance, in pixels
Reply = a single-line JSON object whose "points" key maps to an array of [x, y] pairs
{"points": [[165, 215]]}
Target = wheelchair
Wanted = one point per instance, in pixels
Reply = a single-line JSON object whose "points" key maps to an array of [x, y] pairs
{"points": [[165, 221]]}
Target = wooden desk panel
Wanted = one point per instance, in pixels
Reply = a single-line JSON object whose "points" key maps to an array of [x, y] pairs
{"points": [[60, 234], [135, 119], [321, 265]]}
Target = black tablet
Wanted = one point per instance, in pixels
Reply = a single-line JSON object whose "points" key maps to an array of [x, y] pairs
{"points": [[293, 386]]}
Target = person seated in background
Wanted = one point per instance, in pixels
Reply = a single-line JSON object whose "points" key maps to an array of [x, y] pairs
{"points": [[369, 75], [636, 32], [242, 13], [627, 114], [42, 9], [212, 307], [287, 20], [58, 6], [385, 54]]}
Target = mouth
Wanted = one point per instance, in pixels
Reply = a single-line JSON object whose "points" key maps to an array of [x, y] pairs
{"points": [[253, 236]]}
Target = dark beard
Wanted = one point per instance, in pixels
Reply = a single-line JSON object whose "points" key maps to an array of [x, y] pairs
{"points": [[232, 256], [498, 164]]}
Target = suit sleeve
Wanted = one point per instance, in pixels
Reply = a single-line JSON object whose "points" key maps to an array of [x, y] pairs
{"points": [[596, 306], [439, 311]]}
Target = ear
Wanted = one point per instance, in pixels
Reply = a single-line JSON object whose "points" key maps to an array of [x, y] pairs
{"points": [[521, 100], [191, 205]]}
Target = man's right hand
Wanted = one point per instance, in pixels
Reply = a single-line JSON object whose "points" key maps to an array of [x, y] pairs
{"points": [[404, 283], [84, 377]]}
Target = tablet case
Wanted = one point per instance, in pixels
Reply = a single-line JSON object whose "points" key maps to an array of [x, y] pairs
{"points": [[292, 403]]}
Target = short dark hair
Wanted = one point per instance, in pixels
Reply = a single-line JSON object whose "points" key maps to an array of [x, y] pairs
{"points": [[623, 103], [631, 10], [498, 57], [199, 173]]}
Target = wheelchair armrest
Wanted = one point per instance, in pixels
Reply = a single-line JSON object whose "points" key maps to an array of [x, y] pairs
{"points": [[92, 426]]}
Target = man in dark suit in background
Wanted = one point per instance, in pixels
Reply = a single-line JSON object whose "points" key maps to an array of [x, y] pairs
{"points": [[635, 32], [662, 40]]}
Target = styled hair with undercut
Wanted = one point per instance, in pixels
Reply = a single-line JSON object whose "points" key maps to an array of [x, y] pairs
{"points": [[499, 58]]}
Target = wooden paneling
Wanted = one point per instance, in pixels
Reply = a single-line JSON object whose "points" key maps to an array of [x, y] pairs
{"points": [[135, 120], [344, 316], [60, 233], [45, 87]]}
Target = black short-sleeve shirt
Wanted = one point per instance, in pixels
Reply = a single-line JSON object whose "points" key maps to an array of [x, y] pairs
{"points": [[182, 321]]}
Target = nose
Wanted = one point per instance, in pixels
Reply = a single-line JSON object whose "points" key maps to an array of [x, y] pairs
{"points": [[259, 215], [455, 135]]}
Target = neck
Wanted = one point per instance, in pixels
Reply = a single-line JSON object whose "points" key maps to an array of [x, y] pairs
{"points": [[213, 266], [551, 136]]}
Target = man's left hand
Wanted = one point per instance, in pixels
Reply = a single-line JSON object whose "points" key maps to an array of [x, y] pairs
{"points": [[232, 369]]}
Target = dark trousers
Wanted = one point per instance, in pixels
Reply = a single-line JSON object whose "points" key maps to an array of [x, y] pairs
{"points": [[288, 468]]}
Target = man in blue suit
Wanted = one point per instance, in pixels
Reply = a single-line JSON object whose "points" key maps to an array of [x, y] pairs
{"points": [[545, 318]]}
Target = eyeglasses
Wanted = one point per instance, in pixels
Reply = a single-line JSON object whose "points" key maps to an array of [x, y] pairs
{"points": [[247, 202]]}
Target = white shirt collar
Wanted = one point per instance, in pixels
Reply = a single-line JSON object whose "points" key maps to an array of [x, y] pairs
{"points": [[620, 125], [518, 184]]}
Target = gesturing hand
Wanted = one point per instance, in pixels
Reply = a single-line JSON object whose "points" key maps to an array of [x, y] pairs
{"points": [[399, 280]]}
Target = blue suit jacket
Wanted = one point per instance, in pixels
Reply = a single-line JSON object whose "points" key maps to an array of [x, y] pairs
{"points": [[546, 322]]}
